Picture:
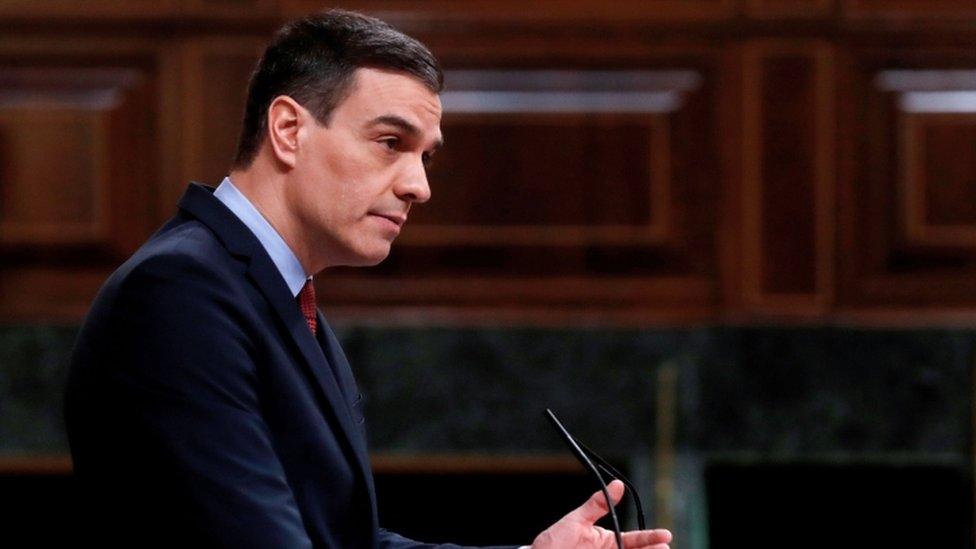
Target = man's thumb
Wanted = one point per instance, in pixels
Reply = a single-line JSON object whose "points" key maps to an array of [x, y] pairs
{"points": [[595, 507]]}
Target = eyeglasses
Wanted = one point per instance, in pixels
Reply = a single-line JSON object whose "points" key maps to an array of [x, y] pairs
{"points": [[594, 464]]}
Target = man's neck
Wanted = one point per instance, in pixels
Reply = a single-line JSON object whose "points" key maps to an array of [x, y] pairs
{"points": [[265, 189]]}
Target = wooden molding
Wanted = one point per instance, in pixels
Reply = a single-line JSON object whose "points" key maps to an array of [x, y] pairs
{"points": [[947, 10], [382, 463], [406, 13]]}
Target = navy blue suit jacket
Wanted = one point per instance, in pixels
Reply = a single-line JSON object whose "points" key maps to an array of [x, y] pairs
{"points": [[200, 407]]}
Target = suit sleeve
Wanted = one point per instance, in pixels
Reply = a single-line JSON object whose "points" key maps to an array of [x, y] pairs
{"points": [[185, 367]]}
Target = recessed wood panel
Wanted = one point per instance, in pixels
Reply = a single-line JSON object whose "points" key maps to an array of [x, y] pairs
{"points": [[909, 187], [538, 171], [938, 197], [43, 201], [526, 147], [537, 182], [72, 147], [787, 177]]}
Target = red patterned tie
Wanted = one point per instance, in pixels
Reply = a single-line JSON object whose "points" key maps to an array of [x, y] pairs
{"points": [[306, 300]]}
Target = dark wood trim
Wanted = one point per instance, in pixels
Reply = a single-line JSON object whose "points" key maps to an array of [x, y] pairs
{"points": [[448, 464], [26, 464]]}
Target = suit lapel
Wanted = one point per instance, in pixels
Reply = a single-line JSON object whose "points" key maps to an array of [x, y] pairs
{"points": [[323, 363], [333, 353], [200, 202], [263, 273]]}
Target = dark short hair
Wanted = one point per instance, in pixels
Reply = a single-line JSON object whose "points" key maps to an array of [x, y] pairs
{"points": [[313, 59]]}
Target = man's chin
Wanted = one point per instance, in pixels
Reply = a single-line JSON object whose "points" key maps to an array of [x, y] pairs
{"points": [[374, 262], [370, 258]]}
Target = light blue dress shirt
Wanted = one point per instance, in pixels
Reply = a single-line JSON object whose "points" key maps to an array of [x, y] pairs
{"points": [[283, 257]]}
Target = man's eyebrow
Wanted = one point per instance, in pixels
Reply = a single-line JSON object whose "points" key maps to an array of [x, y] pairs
{"points": [[403, 124], [397, 121]]}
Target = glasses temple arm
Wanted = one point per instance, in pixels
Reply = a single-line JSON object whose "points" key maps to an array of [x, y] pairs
{"points": [[582, 457], [612, 471]]}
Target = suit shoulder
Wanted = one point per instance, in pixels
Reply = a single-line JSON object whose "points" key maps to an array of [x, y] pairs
{"points": [[188, 242], [188, 245], [176, 259]]}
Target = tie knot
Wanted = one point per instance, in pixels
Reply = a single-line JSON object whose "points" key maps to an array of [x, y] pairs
{"points": [[306, 300]]}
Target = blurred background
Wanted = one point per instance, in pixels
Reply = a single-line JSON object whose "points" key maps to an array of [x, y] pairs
{"points": [[732, 243]]}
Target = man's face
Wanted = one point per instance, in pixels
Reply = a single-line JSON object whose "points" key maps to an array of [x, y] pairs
{"points": [[355, 179]]}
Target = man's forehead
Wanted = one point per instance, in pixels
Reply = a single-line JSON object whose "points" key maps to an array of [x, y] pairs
{"points": [[385, 86]]}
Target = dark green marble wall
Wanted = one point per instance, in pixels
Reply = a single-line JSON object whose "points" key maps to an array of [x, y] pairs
{"points": [[777, 393], [33, 371]]}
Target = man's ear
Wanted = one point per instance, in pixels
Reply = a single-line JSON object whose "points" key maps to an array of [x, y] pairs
{"points": [[285, 120]]}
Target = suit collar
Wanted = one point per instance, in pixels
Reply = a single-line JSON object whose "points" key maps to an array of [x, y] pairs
{"points": [[199, 202], [271, 240]]}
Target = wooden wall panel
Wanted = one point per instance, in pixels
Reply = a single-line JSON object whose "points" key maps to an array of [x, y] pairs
{"points": [[785, 9], [89, 9], [527, 188], [215, 77], [229, 9], [674, 160], [909, 223], [139, 10], [937, 201], [72, 143], [39, 207], [405, 11], [788, 177], [899, 9], [564, 188], [77, 169], [527, 158]]}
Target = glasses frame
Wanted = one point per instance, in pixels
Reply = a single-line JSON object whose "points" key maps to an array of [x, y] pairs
{"points": [[594, 464]]}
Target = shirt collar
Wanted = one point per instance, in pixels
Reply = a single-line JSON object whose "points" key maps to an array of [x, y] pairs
{"points": [[283, 257]]}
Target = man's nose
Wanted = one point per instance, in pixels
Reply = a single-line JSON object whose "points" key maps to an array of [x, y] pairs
{"points": [[413, 186]]}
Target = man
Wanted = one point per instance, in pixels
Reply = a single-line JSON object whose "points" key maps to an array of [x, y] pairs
{"points": [[208, 401]]}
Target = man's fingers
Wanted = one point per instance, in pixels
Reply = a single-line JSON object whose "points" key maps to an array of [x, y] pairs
{"points": [[596, 506], [647, 538]]}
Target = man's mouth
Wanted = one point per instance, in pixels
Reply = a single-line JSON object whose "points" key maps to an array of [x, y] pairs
{"points": [[397, 219], [391, 221]]}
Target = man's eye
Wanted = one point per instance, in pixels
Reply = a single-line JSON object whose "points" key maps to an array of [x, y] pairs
{"points": [[391, 143]]}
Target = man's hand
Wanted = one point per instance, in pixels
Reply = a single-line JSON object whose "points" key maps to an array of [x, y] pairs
{"points": [[578, 529]]}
